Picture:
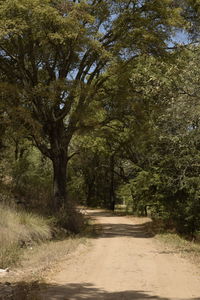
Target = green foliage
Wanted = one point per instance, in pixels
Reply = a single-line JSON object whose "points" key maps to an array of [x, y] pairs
{"points": [[32, 177], [55, 57], [79, 82], [161, 141]]}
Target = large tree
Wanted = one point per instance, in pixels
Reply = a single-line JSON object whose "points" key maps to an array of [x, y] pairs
{"points": [[53, 58]]}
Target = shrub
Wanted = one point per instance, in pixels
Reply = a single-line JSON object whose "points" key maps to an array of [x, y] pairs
{"points": [[71, 220]]}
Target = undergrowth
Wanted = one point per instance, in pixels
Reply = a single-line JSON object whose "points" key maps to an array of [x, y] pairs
{"points": [[172, 240], [188, 249], [19, 229]]}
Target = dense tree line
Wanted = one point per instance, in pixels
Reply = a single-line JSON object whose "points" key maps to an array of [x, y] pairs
{"points": [[99, 98]]}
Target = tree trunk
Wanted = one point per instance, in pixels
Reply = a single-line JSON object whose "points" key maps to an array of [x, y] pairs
{"points": [[90, 192], [59, 180], [112, 188]]}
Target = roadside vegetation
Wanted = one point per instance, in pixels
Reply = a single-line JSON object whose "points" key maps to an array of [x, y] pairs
{"points": [[39, 260], [35, 242], [176, 244], [187, 246], [92, 114], [19, 230]]}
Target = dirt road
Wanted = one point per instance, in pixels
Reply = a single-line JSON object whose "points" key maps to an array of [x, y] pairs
{"points": [[124, 263]]}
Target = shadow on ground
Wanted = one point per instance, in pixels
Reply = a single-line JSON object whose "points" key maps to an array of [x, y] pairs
{"points": [[23, 291], [111, 230], [99, 213], [124, 230]]}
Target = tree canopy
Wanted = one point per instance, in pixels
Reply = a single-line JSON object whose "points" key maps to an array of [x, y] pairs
{"points": [[103, 90]]}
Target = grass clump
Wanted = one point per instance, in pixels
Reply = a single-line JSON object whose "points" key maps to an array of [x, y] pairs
{"points": [[19, 229], [188, 249], [167, 235]]}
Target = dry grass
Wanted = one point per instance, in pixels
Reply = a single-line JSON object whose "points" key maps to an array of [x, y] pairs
{"points": [[174, 242], [188, 249], [45, 257], [18, 229], [38, 263]]}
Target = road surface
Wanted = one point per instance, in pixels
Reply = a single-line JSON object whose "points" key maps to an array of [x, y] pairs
{"points": [[123, 262]]}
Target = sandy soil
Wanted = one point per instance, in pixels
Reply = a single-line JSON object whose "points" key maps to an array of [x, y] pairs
{"points": [[123, 262]]}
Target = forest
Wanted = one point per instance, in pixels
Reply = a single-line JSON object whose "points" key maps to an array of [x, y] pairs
{"points": [[99, 107]]}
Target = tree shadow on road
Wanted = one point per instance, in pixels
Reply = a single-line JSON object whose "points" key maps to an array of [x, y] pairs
{"points": [[99, 213], [124, 230], [112, 229], [23, 291]]}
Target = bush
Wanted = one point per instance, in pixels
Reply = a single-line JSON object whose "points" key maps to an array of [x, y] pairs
{"points": [[71, 220]]}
